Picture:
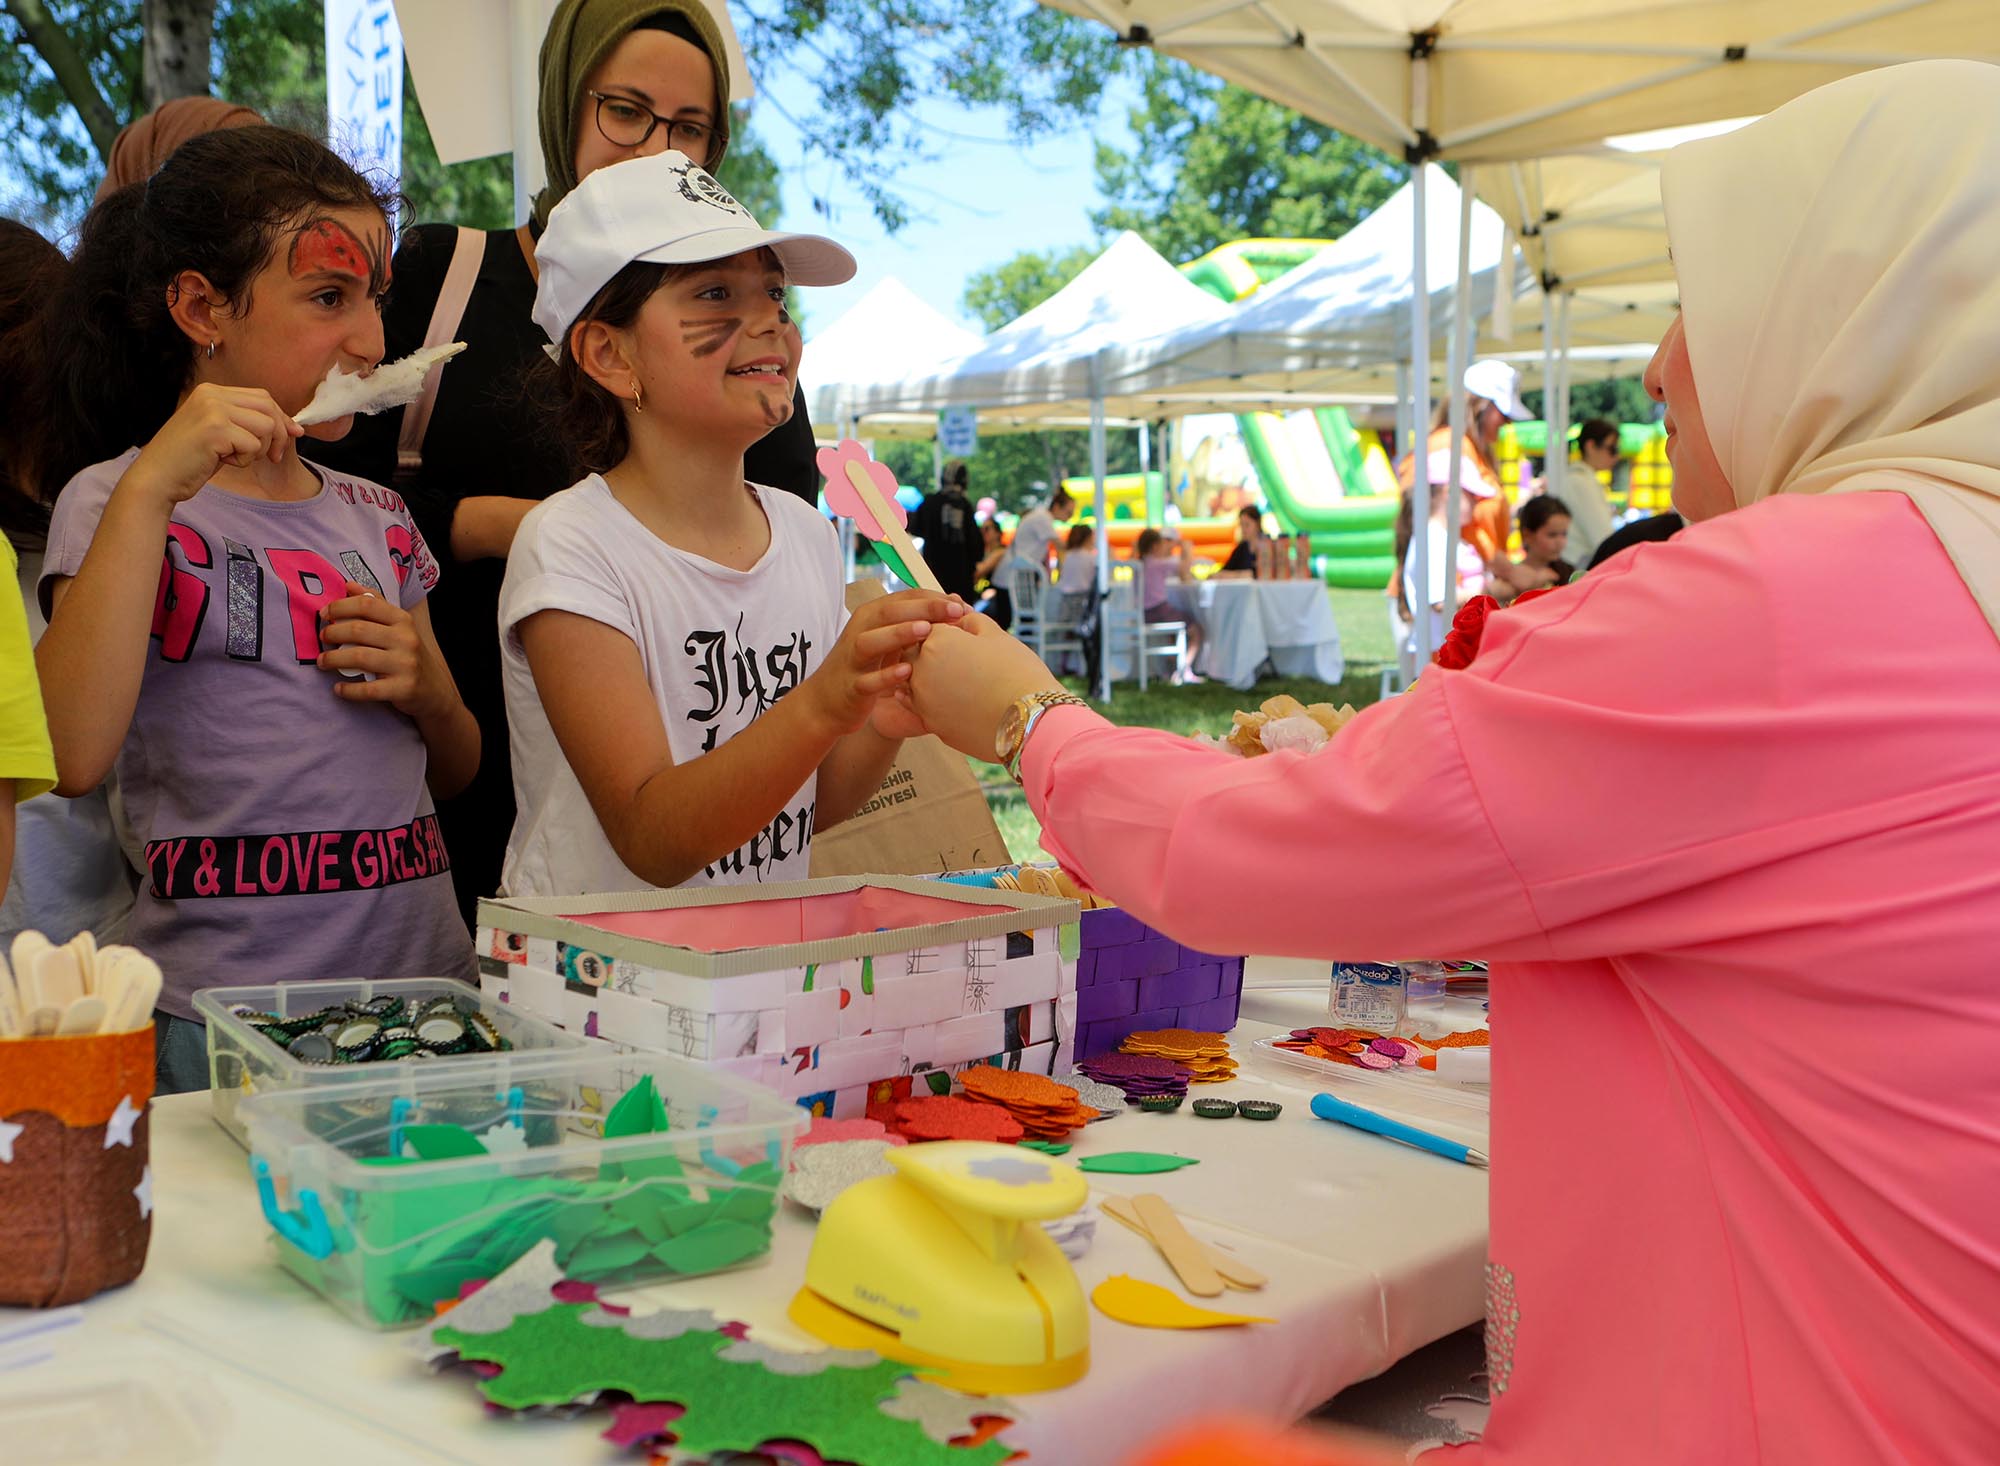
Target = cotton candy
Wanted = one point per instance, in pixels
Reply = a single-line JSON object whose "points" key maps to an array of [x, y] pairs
{"points": [[385, 387]]}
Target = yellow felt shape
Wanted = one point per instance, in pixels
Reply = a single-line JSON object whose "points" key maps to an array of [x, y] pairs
{"points": [[1149, 1306]]}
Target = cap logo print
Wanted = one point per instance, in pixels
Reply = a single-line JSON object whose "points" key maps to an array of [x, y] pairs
{"points": [[698, 188]]}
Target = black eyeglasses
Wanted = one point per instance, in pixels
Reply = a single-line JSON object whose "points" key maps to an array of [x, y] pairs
{"points": [[624, 122]]}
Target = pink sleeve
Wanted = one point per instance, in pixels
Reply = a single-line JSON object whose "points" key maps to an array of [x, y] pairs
{"points": [[1344, 852]]}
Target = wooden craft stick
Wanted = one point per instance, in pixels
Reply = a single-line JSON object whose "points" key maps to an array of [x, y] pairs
{"points": [[892, 530], [1238, 1274], [1183, 1254]]}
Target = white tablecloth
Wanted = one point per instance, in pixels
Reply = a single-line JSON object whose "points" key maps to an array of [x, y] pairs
{"points": [[1247, 623], [1373, 1250]]}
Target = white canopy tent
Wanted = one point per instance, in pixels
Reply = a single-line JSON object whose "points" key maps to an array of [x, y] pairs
{"points": [[887, 334], [1493, 81]]}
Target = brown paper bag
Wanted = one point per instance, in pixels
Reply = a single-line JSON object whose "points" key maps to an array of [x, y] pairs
{"points": [[927, 818]]}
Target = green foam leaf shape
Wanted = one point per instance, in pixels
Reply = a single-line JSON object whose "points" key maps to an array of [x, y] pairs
{"points": [[441, 1142], [1135, 1163], [553, 1357]]}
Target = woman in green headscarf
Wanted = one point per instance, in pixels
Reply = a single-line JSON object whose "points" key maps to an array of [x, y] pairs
{"points": [[619, 79]]}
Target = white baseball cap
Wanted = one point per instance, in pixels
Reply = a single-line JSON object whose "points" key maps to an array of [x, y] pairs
{"points": [[1499, 384], [663, 210]]}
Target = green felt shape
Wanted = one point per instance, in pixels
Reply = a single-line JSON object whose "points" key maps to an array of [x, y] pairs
{"points": [[601, 1257], [895, 562], [748, 1204], [686, 1216], [553, 1358], [441, 1142], [1135, 1163], [640, 1112], [647, 1168], [1069, 940], [426, 1286], [713, 1246], [1046, 1147]]}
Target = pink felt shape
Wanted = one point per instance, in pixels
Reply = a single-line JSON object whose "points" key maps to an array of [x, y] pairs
{"points": [[826, 1129], [734, 925], [845, 500], [637, 1422]]}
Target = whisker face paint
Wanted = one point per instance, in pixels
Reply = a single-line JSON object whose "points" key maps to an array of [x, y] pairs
{"points": [[708, 337], [326, 244]]}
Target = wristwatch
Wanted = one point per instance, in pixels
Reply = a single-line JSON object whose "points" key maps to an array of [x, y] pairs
{"points": [[1019, 720]]}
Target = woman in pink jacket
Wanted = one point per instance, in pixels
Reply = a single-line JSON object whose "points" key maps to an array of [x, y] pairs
{"points": [[1746, 1100]]}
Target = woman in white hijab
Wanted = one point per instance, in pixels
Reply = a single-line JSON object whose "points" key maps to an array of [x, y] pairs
{"points": [[1745, 1193]]}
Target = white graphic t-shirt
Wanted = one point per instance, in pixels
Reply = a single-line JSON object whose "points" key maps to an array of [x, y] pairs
{"points": [[719, 646]]}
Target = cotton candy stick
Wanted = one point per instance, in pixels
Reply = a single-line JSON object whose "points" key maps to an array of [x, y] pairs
{"points": [[852, 491]]}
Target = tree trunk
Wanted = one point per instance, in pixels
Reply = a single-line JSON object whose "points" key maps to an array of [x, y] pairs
{"points": [[71, 68], [179, 35]]}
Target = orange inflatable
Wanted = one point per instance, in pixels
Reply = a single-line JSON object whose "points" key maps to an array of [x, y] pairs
{"points": [[1248, 1444]]}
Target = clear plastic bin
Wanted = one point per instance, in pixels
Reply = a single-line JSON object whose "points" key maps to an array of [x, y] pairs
{"points": [[242, 1061], [388, 1197]]}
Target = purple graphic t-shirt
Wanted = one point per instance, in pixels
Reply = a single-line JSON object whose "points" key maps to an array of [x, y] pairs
{"points": [[287, 833]]}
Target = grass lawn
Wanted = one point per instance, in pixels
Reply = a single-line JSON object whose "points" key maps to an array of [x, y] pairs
{"points": [[1365, 642]]}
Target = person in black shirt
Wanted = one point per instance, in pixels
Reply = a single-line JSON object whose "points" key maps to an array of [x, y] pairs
{"points": [[619, 79], [953, 541], [1639, 532], [1250, 527]]}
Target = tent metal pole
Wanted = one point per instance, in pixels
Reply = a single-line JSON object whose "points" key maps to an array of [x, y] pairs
{"points": [[1551, 477], [1097, 466], [1561, 446], [529, 19], [1420, 369], [1454, 383]]}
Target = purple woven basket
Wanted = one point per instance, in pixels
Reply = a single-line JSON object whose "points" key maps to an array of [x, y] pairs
{"points": [[1130, 977]]}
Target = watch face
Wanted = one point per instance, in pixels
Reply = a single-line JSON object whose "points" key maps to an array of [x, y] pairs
{"points": [[1010, 732]]}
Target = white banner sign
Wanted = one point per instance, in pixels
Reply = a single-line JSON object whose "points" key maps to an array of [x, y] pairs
{"points": [[958, 432], [364, 84]]}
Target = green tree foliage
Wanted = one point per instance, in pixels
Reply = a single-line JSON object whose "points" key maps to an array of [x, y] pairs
{"points": [[1620, 399], [1212, 163]]}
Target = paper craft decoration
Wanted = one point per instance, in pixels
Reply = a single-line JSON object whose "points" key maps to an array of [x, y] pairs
{"points": [[1149, 1306], [946, 1117], [1130, 977], [829, 992], [1045, 1109], [711, 1389], [1134, 1163], [860, 489], [1138, 1075], [387, 386], [76, 1186]]}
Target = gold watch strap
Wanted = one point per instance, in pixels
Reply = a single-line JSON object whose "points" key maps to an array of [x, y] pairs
{"points": [[1040, 702]]}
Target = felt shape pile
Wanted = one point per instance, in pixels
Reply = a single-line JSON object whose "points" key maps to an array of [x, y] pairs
{"points": [[1365, 1049], [637, 1218], [1204, 1055], [1137, 1075], [1047, 1110], [948, 1117], [537, 1345]]}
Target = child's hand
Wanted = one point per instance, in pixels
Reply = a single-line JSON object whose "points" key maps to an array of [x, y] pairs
{"points": [[966, 679], [364, 633], [215, 426], [871, 659]]}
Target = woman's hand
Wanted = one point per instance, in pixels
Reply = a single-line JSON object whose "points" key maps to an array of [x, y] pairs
{"points": [[365, 633], [215, 426], [871, 661], [967, 678]]}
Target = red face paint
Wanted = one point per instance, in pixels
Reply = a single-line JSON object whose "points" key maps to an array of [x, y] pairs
{"points": [[329, 245]]}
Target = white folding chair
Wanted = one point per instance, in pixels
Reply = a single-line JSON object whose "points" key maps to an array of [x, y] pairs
{"points": [[1398, 678], [1130, 632]]}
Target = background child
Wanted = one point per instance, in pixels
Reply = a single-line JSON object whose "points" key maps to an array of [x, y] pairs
{"points": [[1166, 577], [684, 704], [281, 798], [1544, 522]]}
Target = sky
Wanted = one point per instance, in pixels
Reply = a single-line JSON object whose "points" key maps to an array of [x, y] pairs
{"points": [[976, 205]]}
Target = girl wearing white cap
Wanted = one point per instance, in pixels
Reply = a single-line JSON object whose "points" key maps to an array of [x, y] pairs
{"points": [[686, 696]]}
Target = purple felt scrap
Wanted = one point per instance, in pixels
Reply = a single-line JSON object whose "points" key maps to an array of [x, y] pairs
{"points": [[1218, 1016], [634, 1424], [1191, 985], [1086, 967]]}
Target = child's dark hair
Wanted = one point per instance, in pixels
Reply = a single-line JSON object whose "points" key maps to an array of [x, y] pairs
{"points": [[1079, 536], [31, 271], [1597, 430], [117, 361], [1147, 539], [585, 416], [1538, 511]]}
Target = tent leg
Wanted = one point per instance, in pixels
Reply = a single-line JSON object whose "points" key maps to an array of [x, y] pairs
{"points": [[1560, 444], [530, 20], [1461, 345], [1551, 350], [1420, 414], [1097, 466]]}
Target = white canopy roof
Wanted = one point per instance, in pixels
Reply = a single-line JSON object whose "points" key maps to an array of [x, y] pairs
{"points": [[1483, 80], [888, 334], [1336, 323], [1048, 355]]}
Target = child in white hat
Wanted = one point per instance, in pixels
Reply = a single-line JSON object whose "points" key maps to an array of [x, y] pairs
{"points": [[687, 697]]}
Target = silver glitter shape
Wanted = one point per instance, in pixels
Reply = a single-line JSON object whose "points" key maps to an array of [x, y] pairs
{"points": [[1107, 1099], [793, 1362], [944, 1414], [670, 1323], [521, 1290], [821, 1172]]}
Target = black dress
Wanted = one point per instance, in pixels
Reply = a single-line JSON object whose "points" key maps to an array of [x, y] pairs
{"points": [[484, 439]]}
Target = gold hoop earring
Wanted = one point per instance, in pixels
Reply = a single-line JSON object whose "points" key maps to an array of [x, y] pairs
{"points": [[638, 399]]}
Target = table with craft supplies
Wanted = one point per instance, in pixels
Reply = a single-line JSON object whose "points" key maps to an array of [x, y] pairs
{"points": [[1247, 623], [1372, 1249]]}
